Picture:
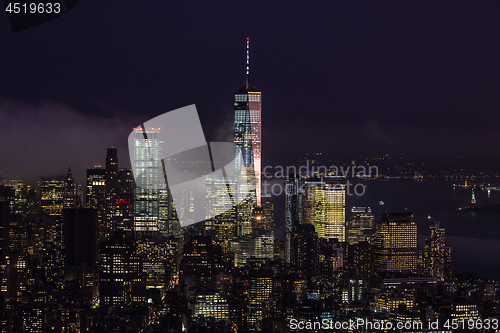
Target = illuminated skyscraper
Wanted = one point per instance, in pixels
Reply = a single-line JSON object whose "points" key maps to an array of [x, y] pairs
{"points": [[73, 193], [169, 224], [263, 231], [361, 225], [69, 197], [16, 257], [259, 245], [122, 280], [222, 228], [359, 235], [96, 197], [52, 195], [323, 205], [259, 297], [247, 124], [33, 318], [96, 187], [212, 305], [15, 191], [125, 200], [437, 254], [111, 184], [268, 209], [360, 264], [155, 253], [147, 147], [396, 243]]}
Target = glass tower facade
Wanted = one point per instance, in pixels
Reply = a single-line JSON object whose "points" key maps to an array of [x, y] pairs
{"points": [[323, 205], [222, 226], [247, 124], [147, 147], [396, 243]]}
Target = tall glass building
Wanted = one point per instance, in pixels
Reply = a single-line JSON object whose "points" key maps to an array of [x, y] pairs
{"points": [[147, 147], [323, 205], [396, 243], [247, 124], [222, 227]]}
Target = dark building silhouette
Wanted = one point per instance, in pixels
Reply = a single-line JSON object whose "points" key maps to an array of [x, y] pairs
{"points": [[359, 269], [111, 189], [124, 200], [4, 231], [96, 197], [122, 281], [306, 250], [292, 212], [70, 197], [80, 242], [202, 259], [111, 169]]}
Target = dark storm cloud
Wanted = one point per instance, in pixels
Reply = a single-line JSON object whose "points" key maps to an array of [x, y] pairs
{"points": [[47, 138]]}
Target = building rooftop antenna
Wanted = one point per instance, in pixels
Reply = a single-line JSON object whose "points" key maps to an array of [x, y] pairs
{"points": [[247, 85]]}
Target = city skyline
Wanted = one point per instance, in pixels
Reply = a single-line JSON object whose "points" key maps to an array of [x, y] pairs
{"points": [[142, 188], [248, 104]]}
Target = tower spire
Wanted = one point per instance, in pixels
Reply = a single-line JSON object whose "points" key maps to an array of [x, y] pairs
{"points": [[247, 85], [69, 175]]}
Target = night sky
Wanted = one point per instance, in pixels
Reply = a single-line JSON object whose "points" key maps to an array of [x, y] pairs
{"points": [[336, 76]]}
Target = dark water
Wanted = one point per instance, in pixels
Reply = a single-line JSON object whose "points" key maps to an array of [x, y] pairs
{"points": [[474, 237]]}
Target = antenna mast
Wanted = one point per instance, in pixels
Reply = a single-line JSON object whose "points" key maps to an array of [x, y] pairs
{"points": [[247, 85]]}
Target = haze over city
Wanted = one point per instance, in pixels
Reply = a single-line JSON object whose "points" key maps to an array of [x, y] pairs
{"points": [[355, 78]]}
